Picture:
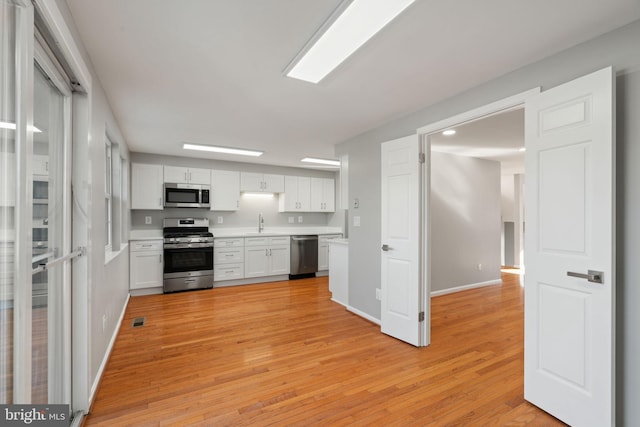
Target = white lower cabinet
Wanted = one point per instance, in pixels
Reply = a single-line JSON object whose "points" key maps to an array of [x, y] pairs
{"points": [[228, 259], [146, 264], [266, 256], [323, 250]]}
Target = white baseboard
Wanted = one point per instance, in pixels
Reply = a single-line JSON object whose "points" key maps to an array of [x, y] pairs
{"points": [[465, 287], [340, 302], [105, 359], [363, 315]]}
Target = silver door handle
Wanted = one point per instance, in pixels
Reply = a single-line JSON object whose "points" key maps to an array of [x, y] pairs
{"points": [[592, 276], [386, 248]]}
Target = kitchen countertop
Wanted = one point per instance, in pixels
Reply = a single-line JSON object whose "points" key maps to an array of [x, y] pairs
{"points": [[243, 232]]}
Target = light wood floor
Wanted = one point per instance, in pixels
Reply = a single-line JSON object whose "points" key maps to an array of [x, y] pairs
{"points": [[284, 354]]}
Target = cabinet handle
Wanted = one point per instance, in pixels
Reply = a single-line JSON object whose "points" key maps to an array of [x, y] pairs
{"points": [[160, 202], [266, 252], [269, 252], [160, 258], [190, 176]]}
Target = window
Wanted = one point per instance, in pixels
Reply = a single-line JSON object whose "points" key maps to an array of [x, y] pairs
{"points": [[108, 197]]}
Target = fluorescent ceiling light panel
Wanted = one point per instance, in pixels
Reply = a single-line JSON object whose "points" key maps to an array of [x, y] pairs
{"points": [[12, 126], [321, 161], [339, 37], [224, 150]]}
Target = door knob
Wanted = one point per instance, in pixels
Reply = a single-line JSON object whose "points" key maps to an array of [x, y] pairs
{"points": [[386, 248], [592, 276]]}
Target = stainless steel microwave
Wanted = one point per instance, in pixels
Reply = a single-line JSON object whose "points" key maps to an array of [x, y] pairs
{"points": [[186, 195]]}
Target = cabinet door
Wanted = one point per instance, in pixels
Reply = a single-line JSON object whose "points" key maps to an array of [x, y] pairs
{"points": [[329, 194], [290, 196], [256, 261], [225, 190], [40, 165], [250, 181], [146, 186], [317, 196], [146, 269], [273, 183], [279, 260], [304, 194], [323, 256], [199, 176], [176, 174]]}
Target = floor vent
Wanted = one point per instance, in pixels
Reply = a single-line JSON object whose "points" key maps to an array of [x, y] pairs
{"points": [[138, 321]]}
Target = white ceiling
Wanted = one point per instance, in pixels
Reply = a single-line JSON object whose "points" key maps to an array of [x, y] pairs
{"points": [[210, 71], [498, 137]]}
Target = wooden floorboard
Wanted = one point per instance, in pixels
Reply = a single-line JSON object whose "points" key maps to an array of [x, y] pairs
{"points": [[284, 354]]}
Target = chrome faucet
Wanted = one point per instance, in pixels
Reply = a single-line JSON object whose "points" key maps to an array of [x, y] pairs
{"points": [[260, 223]]}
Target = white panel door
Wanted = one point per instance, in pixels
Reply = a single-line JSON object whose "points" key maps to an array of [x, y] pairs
{"points": [[400, 282], [569, 321]]}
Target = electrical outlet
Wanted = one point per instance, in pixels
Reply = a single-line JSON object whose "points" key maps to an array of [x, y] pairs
{"points": [[356, 221], [147, 220], [479, 267], [300, 219], [220, 220], [292, 220], [378, 295]]}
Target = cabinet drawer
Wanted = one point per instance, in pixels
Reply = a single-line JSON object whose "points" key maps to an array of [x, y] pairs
{"points": [[146, 245], [328, 237], [266, 240], [226, 243], [280, 240], [227, 255], [228, 272]]}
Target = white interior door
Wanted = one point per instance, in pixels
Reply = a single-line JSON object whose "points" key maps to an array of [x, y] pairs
{"points": [[400, 252], [569, 321]]}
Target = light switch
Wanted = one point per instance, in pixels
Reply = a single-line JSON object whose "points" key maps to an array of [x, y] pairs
{"points": [[220, 220], [356, 221]]}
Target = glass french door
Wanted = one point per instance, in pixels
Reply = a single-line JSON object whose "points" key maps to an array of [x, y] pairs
{"points": [[35, 215]]}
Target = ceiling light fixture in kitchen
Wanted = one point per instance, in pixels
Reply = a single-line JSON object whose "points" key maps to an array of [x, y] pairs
{"points": [[12, 126], [449, 132], [258, 195], [350, 26], [223, 150], [321, 161]]}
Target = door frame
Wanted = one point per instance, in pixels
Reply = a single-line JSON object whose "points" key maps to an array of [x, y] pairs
{"points": [[496, 107]]}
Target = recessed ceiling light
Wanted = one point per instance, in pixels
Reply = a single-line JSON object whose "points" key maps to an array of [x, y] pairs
{"points": [[321, 161], [350, 26], [449, 132], [224, 150], [12, 126]]}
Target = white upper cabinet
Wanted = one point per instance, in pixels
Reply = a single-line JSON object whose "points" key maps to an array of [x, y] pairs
{"points": [[146, 186], [40, 165], [225, 190], [182, 175], [323, 195], [297, 194], [258, 182]]}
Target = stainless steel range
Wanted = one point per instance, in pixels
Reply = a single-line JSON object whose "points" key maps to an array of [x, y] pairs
{"points": [[188, 254]]}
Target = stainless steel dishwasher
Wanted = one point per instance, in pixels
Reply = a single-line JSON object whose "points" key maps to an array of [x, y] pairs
{"points": [[304, 256]]}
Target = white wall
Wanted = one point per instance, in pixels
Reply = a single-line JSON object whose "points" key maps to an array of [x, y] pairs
{"points": [[618, 48], [465, 221]]}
